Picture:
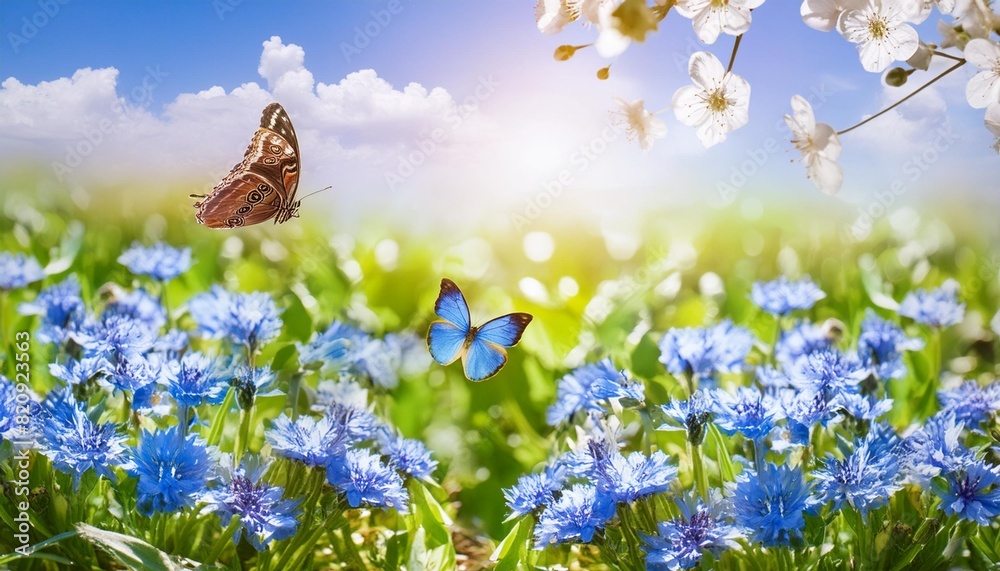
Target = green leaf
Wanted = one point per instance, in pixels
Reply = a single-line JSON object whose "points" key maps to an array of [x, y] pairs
{"points": [[130, 551], [725, 461], [33, 551], [508, 553], [296, 318]]}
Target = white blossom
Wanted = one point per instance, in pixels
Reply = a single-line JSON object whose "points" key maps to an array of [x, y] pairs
{"points": [[552, 16], [712, 17], [716, 104], [819, 144], [881, 32], [640, 124], [822, 15], [984, 87]]}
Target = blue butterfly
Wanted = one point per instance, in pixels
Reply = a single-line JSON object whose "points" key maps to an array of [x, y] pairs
{"points": [[483, 348]]}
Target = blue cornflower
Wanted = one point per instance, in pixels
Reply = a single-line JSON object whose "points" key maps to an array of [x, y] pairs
{"points": [[829, 373], [159, 261], [197, 379], [937, 308], [76, 444], [864, 407], [533, 491], [362, 477], [264, 515], [782, 296], [705, 351], [577, 514], [409, 353], [800, 341], [682, 541], [133, 374], [691, 414], [628, 478], [772, 379], [313, 441], [804, 410], [587, 387], [970, 403], [972, 491], [138, 305], [117, 338], [407, 455], [75, 372], [866, 478], [171, 343], [882, 343], [172, 470], [249, 319], [934, 448], [61, 310], [748, 412], [251, 382], [771, 504], [18, 270], [332, 346]]}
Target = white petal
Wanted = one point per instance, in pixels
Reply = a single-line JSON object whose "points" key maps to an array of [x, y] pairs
{"points": [[707, 26], [705, 70], [853, 25], [689, 107], [993, 119], [827, 141], [983, 53], [826, 174], [902, 43], [737, 21], [802, 115], [983, 89]]}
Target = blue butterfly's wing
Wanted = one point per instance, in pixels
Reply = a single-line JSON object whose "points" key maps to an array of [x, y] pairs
{"points": [[451, 306], [505, 330], [483, 359], [446, 342], [486, 354]]}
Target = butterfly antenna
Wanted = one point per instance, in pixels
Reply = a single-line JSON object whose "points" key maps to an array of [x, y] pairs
{"points": [[317, 192]]}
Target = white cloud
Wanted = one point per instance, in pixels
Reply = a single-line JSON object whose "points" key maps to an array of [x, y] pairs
{"points": [[91, 128]]}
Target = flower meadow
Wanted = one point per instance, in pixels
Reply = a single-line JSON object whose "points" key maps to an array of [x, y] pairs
{"points": [[190, 398]]}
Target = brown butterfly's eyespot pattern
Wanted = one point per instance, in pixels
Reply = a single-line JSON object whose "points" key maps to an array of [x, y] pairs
{"points": [[244, 209], [254, 196], [264, 189], [270, 160], [234, 221], [276, 149]]}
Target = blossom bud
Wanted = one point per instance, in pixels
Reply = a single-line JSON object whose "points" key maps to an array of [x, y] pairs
{"points": [[603, 73], [565, 52], [896, 77]]}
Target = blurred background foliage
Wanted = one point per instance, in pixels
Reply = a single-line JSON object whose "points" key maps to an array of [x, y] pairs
{"points": [[593, 294]]}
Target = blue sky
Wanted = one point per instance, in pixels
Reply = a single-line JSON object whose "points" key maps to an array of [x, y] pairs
{"points": [[518, 139]]}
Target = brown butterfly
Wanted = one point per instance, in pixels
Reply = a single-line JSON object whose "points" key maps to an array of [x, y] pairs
{"points": [[262, 186]]}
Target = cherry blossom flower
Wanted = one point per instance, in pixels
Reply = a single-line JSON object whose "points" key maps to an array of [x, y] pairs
{"points": [[640, 124], [881, 32], [993, 124], [552, 16], [822, 15], [819, 145], [984, 87], [611, 42], [716, 104], [711, 17]]}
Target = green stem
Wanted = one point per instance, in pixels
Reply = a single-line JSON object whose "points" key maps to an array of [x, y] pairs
{"points": [[960, 63], [219, 422], [630, 535], [928, 393], [224, 538], [700, 476], [243, 436], [293, 393]]}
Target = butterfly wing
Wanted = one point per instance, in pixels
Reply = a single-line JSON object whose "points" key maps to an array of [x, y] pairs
{"points": [[483, 359], [505, 330], [263, 184], [446, 342], [486, 354], [447, 336]]}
